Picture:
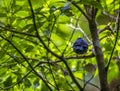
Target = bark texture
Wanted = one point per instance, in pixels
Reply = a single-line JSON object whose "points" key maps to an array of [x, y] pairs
{"points": [[99, 55]]}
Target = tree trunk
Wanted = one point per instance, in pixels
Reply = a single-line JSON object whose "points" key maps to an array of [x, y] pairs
{"points": [[99, 56]]}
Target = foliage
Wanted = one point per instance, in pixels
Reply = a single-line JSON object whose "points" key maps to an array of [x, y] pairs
{"points": [[36, 45]]}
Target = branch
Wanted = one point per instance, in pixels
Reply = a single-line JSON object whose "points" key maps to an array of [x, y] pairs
{"points": [[80, 10], [16, 60], [55, 45], [56, 55], [98, 53], [70, 37], [57, 61], [37, 33], [23, 79], [78, 28], [117, 33], [86, 82], [26, 60], [26, 39], [107, 27], [91, 84], [12, 30]]}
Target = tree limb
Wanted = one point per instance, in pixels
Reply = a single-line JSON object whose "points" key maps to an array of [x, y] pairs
{"points": [[56, 55]]}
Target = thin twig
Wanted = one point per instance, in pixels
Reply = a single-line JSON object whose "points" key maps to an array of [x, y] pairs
{"points": [[14, 31], [117, 33], [78, 28], [57, 61], [90, 84], [23, 78], [80, 10], [70, 36], [16, 60], [26, 61], [107, 27], [88, 81], [56, 55], [26, 39]]}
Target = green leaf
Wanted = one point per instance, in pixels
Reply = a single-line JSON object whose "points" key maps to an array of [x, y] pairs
{"points": [[19, 79], [44, 87], [58, 23], [8, 82], [2, 15], [78, 74], [27, 83], [29, 48], [36, 83], [113, 69]]}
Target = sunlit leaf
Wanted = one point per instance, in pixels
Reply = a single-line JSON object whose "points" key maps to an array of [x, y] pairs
{"points": [[78, 75], [36, 42], [113, 69]]}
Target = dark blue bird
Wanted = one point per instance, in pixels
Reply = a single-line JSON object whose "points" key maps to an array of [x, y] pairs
{"points": [[80, 46]]}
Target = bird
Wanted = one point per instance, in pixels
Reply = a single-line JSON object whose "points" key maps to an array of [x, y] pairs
{"points": [[80, 46]]}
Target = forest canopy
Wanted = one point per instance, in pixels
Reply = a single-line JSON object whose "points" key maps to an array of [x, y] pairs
{"points": [[37, 38]]}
